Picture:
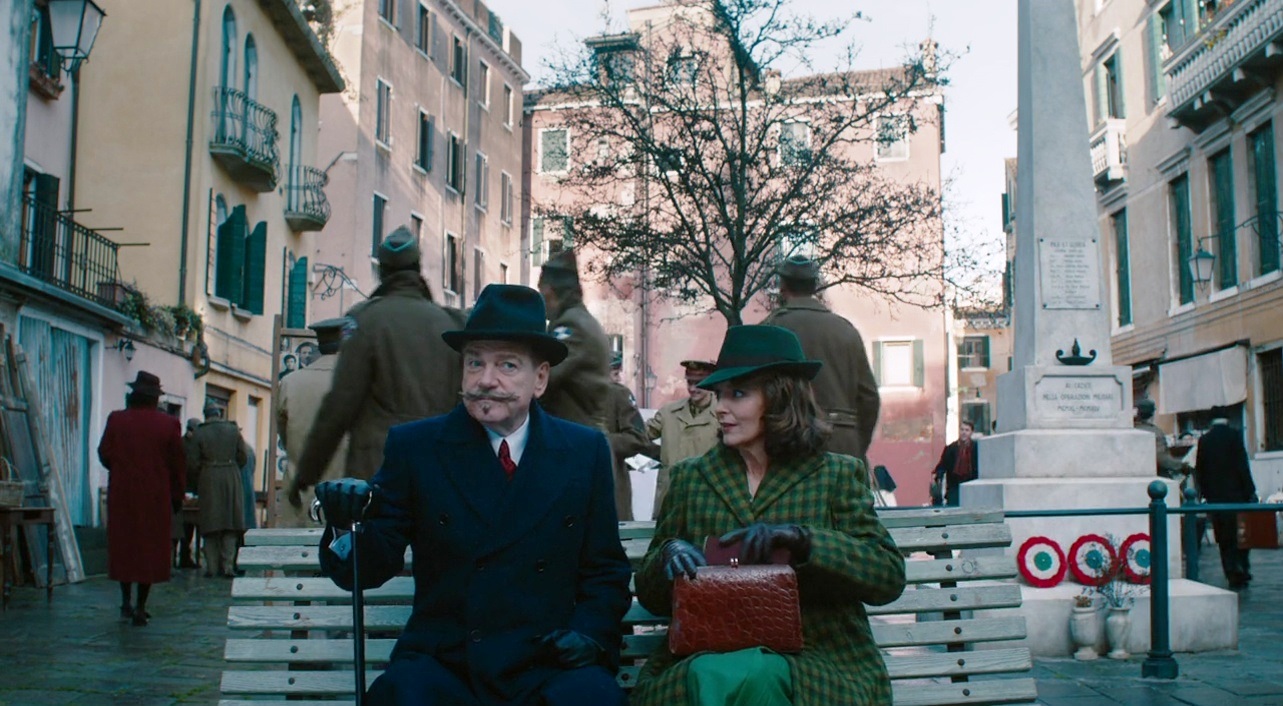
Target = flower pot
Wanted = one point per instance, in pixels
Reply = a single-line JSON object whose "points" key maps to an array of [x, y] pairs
{"points": [[1084, 629], [1118, 626]]}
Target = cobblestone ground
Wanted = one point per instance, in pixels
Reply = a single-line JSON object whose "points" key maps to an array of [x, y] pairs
{"points": [[77, 650]]}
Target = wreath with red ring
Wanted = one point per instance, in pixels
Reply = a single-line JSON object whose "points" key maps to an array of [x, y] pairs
{"points": [[1092, 560], [1134, 553], [1041, 562]]}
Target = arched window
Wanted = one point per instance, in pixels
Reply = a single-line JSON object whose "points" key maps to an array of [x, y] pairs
{"points": [[227, 62], [251, 68], [296, 149]]}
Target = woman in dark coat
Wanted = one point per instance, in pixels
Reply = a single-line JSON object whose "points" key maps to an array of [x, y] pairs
{"points": [[769, 484], [142, 449]]}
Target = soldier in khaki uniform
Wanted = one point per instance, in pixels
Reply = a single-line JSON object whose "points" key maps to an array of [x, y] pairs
{"points": [[1168, 465], [579, 388], [627, 436], [845, 388], [688, 427], [392, 369], [221, 452], [298, 399]]}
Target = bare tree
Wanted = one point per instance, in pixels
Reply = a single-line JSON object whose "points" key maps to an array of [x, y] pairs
{"points": [[700, 167]]}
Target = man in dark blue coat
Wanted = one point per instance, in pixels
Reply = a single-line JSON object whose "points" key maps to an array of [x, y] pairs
{"points": [[520, 578]]}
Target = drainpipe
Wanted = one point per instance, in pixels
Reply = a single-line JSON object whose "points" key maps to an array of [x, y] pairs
{"points": [[187, 159], [465, 211], [75, 134]]}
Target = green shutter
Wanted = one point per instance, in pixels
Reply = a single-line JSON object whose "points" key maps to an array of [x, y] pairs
{"points": [[1157, 81], [231, 256], [1267, 198], [1124, 276], [255, 269], [1184, 238], [1102, 94], [536, 241], [984, 348], [1189, 19], [1226, 247], [919, 364], [297, 307], [877, 362]]}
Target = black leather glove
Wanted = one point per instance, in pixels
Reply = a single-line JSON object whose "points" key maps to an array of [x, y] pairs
{"points": [[681, 557], [759, 540], [344, 501], [570, 649]]}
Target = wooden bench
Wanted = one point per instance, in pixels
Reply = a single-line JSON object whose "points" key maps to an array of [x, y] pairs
{"points": [[294, 628]]}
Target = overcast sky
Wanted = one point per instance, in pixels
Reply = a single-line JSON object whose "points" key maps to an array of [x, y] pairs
{"points": [[981, 95]]}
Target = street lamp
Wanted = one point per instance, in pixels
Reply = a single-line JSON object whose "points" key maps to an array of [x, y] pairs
{"points": [[74, 25], [1201, 265]]}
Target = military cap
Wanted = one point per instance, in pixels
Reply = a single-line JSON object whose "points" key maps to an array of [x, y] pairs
{"points": [[399, 251], [329, 330], [616, 360], [703, 367], [1146, 407], [798, 267], [211, 410]]}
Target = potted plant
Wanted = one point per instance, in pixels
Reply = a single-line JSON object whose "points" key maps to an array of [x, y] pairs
{"points": [[1084, 626]]}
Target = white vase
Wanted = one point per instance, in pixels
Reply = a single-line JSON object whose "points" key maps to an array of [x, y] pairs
{"points": [[1118, 625], [1084, 628]]}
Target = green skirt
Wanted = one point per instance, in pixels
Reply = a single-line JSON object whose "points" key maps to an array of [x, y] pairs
{"points": [[751, 677]]}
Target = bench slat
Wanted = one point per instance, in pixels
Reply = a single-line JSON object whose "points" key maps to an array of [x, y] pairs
{"points": [[317, 683], [337, 650], [960, 569], [893, 518], [339, 617], [928, 539], [989, 691], [943, 632], [955, 664], [942, 599]]}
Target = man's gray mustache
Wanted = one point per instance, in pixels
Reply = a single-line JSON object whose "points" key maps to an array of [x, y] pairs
{"points": [[491, 396]]}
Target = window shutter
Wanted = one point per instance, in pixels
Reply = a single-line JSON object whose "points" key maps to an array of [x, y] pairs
{"points": [[1118, 76], [984, 348], [231, 255], [1262, 146], [1102, 94], [255, 268], [919, 367], [1158, 82], [536, 241], [1189, 18], [877, 362], [431, 142], [297, 303]]}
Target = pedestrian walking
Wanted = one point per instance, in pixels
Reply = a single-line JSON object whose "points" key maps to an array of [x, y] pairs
{"points": [[393, 368], [1224, 476], [686, 428], [520, 580], [142, 450], [578, 389], [298, 401], [958, 464], [222, 453], [626, 433], [184, 531], [845, 388]]}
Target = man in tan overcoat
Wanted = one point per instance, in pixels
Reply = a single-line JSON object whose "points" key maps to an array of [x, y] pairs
{"points": [[579, 388], [845, 388], [626, 433], [221, 452], [393, 368], [298, 399], [688, 427]]}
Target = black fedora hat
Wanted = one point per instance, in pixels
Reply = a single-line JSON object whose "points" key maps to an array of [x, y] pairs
{"points": [[752, 349], [509, 312], [146, 384]]}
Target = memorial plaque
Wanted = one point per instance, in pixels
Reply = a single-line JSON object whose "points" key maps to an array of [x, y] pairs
{"points": [[1078, 397], [1070, 270]]}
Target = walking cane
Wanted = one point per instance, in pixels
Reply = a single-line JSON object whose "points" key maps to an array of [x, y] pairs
{"points": [[358, 600]]}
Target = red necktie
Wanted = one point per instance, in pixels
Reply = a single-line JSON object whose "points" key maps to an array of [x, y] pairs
{"points": [[505, 459]]}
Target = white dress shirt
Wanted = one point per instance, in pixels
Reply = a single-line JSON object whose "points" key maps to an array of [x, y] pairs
{"points": [[516, 440]]}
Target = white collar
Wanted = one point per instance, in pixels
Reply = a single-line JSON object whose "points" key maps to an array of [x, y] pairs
{"points": [[516, 440]]}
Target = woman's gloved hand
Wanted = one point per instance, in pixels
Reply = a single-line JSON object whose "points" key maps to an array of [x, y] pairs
{"points": [[681, 557], [759, 540]]}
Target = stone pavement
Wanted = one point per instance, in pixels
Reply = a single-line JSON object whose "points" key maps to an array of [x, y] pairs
{"points": [[77, 651]]}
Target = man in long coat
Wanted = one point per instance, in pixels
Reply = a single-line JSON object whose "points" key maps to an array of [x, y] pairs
{"points": [[298, 400], [393, 368], [520, 579], [221, 452], [686, 428], [626, 433], [579, 387], [845, 389], [1225, 476]]}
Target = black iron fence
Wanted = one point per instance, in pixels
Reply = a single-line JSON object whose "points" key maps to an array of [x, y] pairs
{"points": [[242, 123], [305, 194], [57, 250]]}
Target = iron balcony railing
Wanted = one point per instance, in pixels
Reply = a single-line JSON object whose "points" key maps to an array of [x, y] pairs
{"points": [[245, 138], [306, 207], [63, 253]]}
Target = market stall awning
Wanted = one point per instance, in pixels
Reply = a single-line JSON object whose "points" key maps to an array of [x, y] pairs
{"points": [[1203, 381]]}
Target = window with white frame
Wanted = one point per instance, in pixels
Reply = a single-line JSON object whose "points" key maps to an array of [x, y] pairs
{"points": [[382, 113], [452, 272], [478, 272], [416, 227], [458, 62], [554, 150], [898, 362], [549, 235], [481, 188], [423, 31], [423, 150], [380, 214], [795, 143], [387, 10], [503, 273], [483, 84], [454, 163], [683, 69], [892, 137], [973, 352], [507, 105], [505, 198]]}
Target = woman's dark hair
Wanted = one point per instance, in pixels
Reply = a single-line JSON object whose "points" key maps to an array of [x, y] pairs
{"points": [[794, 428]]}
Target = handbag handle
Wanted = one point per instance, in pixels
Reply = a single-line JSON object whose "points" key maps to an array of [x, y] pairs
{"points": [[7, 472]]}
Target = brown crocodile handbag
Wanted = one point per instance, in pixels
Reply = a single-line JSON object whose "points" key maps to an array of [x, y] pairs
{"points": [[729, 608]]}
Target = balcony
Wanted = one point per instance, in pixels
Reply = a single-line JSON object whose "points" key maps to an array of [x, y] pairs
{"points": [[1109, 152], [245, 139], [60, 252], [1231, 58], [306, 207]]}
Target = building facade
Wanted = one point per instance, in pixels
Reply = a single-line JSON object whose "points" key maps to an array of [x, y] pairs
{"points": [[427, 135], [1185, 154]]}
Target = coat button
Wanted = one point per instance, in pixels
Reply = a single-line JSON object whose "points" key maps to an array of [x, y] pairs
{"points": [[541, 564], [444, 519], [570, 520], [481, 566], [475, 635]]}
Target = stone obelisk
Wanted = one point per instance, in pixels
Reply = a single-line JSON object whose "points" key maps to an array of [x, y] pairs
{"points": [[1065, 436]]}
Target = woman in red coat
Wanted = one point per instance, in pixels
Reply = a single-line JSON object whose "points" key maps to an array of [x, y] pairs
{"points": [[142, 448]]}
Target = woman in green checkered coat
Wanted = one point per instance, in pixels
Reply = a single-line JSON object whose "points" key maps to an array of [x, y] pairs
{"points": [[769, 485]]}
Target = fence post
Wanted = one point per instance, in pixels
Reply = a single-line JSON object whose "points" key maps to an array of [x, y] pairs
{"points": [[1191, 540], [1159, 664]]}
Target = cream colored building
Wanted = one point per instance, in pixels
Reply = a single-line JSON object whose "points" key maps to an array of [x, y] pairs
{"points": [[1185, 153], [198, 142], [427, 135]]}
